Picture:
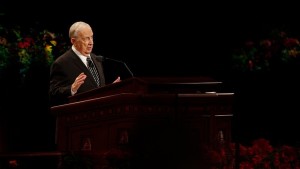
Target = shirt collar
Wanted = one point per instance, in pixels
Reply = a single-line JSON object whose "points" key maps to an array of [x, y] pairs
{"points": [[81, 56]]}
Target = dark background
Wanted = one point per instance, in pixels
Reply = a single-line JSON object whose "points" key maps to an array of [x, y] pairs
{"points": [[160, 39]]}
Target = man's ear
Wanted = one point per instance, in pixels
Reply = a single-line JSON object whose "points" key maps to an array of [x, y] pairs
{"points": [[73, 40]]}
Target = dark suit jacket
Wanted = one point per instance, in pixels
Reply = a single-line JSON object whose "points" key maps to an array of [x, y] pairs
{"points": [[64, 71]]}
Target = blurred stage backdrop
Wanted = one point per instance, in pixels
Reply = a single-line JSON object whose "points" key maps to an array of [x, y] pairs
{"points": [[255, 55]]}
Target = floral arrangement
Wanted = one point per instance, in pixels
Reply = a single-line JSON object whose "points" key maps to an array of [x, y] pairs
{"points": [[260, 155], [25, 47], [271, 52]]}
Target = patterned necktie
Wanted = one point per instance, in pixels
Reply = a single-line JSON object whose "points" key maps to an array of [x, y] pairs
{"points": [[93, 70]]}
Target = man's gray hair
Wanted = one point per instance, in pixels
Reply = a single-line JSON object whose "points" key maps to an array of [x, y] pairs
{"points": [[76, 27]]}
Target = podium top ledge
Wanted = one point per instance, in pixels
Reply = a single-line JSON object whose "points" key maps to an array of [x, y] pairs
{"points": [[180, 80], [152, 85]]}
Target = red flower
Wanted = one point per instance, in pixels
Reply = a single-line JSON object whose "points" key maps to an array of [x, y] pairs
{"points": [[266, 43], [13, 163], [260, 155], [290, 42]]}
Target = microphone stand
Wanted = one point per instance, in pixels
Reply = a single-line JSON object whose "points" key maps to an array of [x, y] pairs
{"points": [[122, 63]]}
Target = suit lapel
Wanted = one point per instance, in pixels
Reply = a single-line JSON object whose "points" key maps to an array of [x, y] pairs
{"points": [[77, 61]]}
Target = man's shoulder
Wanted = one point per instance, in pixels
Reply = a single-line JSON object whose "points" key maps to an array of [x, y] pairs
{"points": [[65, 56]]}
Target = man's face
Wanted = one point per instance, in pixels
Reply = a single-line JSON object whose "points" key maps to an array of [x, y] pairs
{"points": [[84, 42]]}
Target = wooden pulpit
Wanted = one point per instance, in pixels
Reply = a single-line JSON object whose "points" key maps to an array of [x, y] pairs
{"points": [[163, 122]]}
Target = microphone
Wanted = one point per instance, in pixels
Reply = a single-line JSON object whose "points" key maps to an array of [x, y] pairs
{"points": [[102, 58]]}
